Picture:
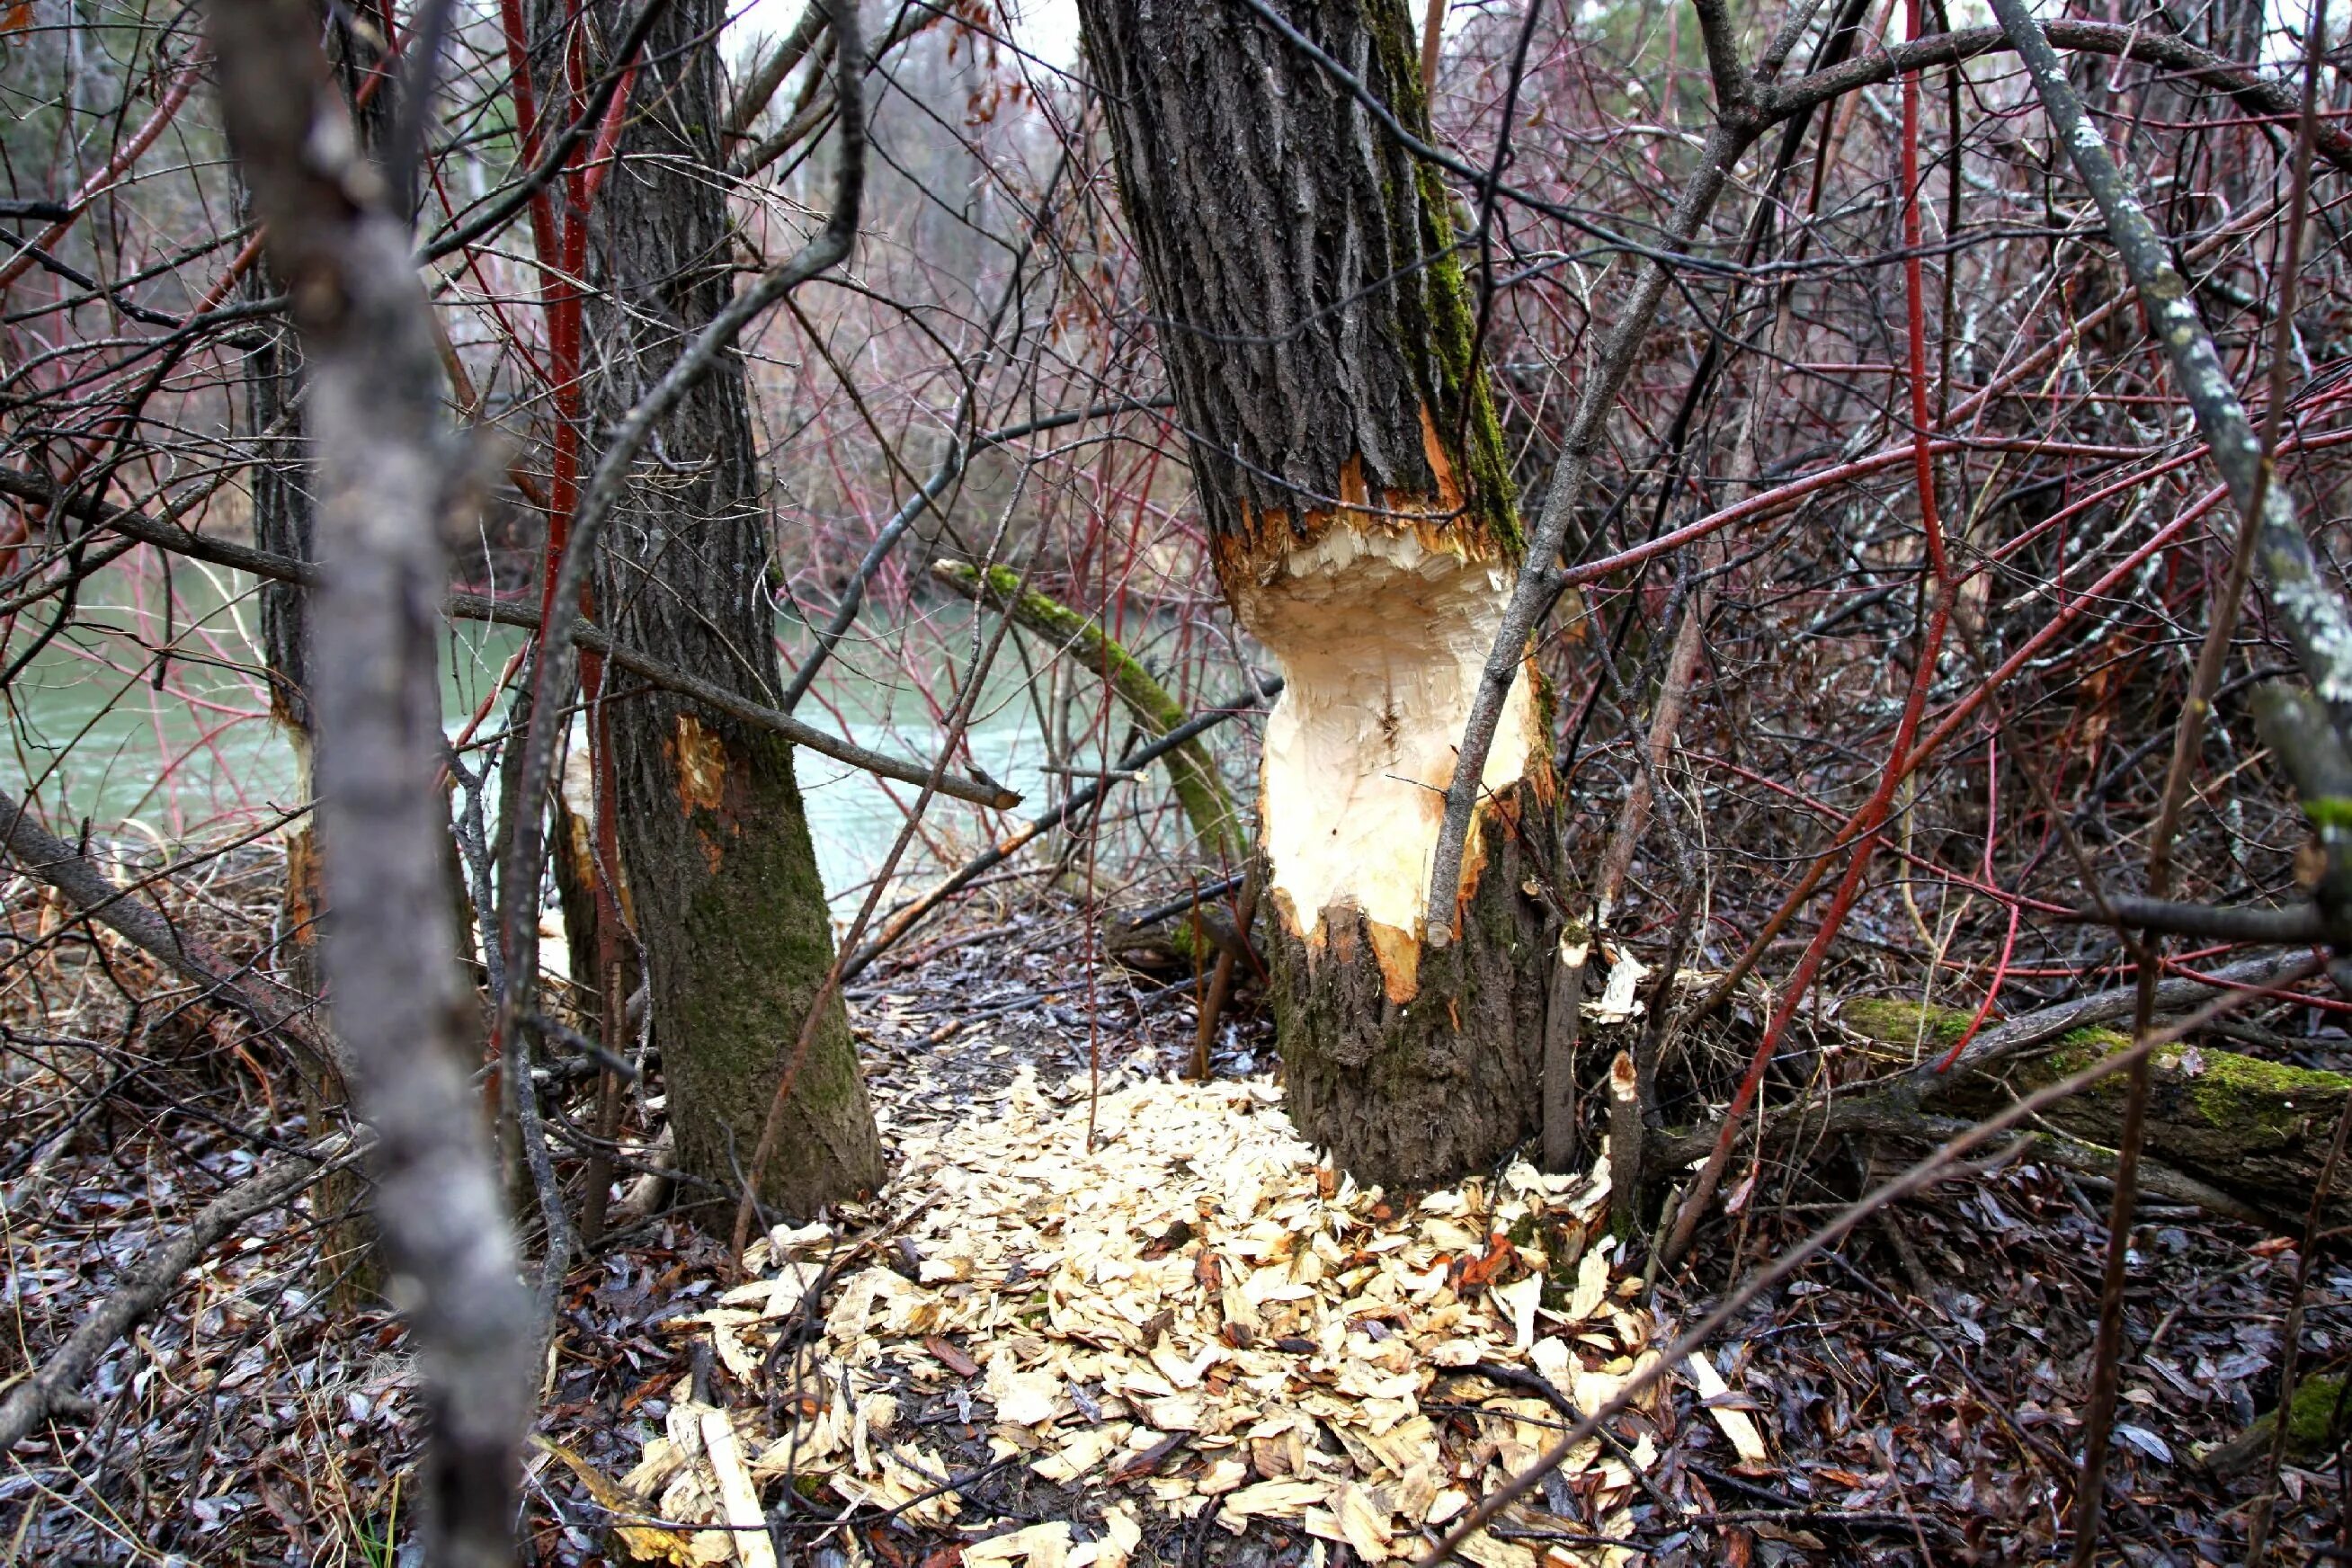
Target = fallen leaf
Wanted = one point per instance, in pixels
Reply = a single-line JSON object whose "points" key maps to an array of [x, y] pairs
{"points": [[947, 1355]]}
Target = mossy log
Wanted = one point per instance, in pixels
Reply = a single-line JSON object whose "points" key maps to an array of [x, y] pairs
{"points": [[1191, 771], [2316, 1428], [2256, 1128]]}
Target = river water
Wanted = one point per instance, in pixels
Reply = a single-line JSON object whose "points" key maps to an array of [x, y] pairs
{"points": [[93, 734]]}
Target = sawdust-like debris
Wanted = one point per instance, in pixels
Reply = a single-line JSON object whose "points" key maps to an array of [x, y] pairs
{"points": [[1196, 1309]]}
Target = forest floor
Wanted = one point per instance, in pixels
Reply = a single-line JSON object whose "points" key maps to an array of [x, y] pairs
{"points": [[981, 1366]]}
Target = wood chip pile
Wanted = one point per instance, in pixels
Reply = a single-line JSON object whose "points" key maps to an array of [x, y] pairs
{"points": [[1194, 1313]]}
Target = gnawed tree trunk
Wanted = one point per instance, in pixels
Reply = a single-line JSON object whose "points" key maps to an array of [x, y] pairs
{"points": [[1318, 335], [572, 865], [721, 874]]}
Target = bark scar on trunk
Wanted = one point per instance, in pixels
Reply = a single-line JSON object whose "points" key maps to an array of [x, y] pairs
{"points": [[1380, 629], [701, 765]]}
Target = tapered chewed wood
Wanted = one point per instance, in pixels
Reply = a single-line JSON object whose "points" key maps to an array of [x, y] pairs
{"points": [[1317, 331]]}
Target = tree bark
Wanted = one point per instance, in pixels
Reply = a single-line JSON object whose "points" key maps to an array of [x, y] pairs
{"points": [[2255, 1128], [407, 1035], [722, 875], [285, 524], [1319, 335]]}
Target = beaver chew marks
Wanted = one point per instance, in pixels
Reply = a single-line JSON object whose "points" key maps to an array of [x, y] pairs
{"points": [[1381, 634]]}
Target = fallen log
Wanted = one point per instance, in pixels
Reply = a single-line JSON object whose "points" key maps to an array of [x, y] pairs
{"points": [[2315, 1430], [2251, 1127], [2233, 1133]]}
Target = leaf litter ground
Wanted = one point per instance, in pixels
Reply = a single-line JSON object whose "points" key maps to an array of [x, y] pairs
{"points": [[1919, 1393]]}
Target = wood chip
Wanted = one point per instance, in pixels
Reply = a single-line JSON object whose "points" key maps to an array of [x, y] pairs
{"points": [[1736, 1424], [736, 1493], [1195, 1307], [947, 1356], [1040, 1545]]}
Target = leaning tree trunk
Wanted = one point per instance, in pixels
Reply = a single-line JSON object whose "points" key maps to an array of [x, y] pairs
{"points": [[1317, 334], [722, 875]]}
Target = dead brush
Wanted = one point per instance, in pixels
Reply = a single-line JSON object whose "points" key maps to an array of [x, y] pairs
{"points": [[231, 1425]]}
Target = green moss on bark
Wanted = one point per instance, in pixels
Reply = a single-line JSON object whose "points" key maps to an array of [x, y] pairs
{"points": [[1898, 1023], [757, 936], [1461, 403], [2248, 1126], [2318, 1401], [2224, 1092]]}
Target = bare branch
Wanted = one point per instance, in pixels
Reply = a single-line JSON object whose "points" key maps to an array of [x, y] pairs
{"points": [[1735, 90], [1538, 579], [2254, 94], [2310, 611], [780, 62], [1936, 1167], [980, 789], [375, 377]]}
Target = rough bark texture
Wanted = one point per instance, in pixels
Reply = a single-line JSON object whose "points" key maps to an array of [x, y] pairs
{"points": [[1316, 331], [571, 864], [1310, 307], [722, 875], [1415, 1094]]}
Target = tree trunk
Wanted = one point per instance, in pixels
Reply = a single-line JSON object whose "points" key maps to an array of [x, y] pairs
{"points": [[721, 874], [282, 523], [1317, 334]]}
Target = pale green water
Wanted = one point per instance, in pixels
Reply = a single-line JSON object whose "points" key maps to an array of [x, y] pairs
{"points": [[200, 756]]}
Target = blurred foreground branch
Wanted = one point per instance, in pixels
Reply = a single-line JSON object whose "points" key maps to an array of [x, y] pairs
{"points": [[375, 377]]}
